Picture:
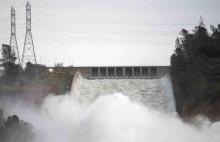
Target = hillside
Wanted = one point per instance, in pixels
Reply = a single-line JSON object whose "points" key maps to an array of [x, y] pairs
{"points": [[195, 72]]}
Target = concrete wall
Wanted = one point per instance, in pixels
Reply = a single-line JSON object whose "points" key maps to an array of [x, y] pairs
{"points": [[145, 72], [128, 72]]}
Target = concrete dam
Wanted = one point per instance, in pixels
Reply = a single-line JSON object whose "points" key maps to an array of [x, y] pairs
{"points": [[118, 72], [149, 85]]}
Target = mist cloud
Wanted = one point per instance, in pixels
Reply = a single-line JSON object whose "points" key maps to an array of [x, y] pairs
{"points": [[111, 118]]}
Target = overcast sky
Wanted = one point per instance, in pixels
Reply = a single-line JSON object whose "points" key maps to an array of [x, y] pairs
{"points": [[106, 32]]}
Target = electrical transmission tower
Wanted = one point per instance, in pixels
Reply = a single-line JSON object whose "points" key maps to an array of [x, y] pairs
{"points": [[13, 40], [28, 50]]}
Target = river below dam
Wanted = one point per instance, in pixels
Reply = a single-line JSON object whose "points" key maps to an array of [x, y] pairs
{"points": [[108, 110]]}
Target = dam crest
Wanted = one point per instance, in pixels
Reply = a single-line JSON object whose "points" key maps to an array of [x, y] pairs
{"points": [[118, 72]]}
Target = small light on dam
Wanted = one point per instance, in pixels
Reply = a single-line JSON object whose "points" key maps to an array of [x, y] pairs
{"points": [[50, 70]]}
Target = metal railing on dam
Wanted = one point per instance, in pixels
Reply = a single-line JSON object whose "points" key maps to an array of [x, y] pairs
{"points": [[118, 72]]}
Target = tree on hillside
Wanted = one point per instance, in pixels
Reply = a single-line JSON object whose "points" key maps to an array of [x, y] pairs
{"points": [[216, 39], [8, 55], [195, 66], [15, 130], [33, 70], [11, 70]]}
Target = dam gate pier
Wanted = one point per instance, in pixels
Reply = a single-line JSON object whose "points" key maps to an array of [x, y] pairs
{"points": [[118, 72]]}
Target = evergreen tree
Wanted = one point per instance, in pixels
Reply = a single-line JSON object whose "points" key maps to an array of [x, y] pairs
{"points": [[15, 130], [195, 67], [11, 70]]}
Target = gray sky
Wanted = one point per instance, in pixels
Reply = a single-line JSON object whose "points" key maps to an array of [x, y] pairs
{"points": [[106, 32]]}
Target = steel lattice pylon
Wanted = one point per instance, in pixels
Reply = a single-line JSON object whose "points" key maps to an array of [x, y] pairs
{"points": [[28, 50], [13, 40]]}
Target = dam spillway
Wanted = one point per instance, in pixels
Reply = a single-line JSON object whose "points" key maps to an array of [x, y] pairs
{"points": [[153, 93], [149, 85], [117, 72]]}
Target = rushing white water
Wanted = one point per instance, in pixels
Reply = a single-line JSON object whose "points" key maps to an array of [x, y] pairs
{"points": [[134, 115], [153, 93]]}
